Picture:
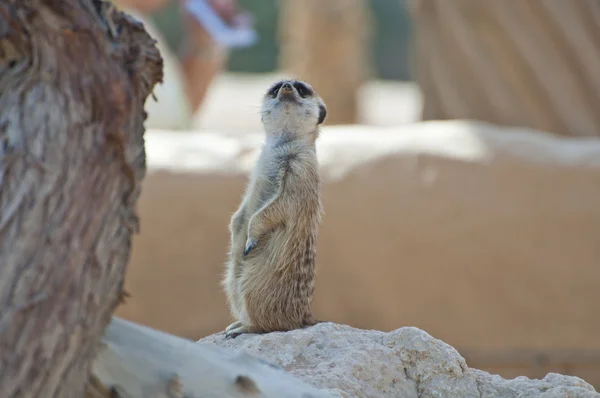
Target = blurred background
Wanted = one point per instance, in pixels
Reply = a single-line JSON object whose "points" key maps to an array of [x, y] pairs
{"points": [[496, 252]]}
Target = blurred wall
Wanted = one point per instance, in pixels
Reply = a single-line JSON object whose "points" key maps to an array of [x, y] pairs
{"points": [[533, 63]]}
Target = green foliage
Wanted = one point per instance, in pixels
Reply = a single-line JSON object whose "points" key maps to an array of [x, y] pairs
{"points": [[262, 57], [391, 41]]}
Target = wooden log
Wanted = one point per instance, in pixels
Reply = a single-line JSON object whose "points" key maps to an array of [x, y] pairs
{"points": [[326, 43], [74, 75], [137, 361], [525, 63]]}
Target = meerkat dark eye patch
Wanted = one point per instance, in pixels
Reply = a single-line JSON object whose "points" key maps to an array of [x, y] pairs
{"points": [[275, 89], [322, 114], [302, 89]]}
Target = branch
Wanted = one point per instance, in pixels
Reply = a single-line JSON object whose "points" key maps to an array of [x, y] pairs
{"points": [[137, 361]]}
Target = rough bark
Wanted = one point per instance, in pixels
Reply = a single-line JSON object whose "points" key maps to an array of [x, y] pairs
{"points": [[137, 361], [533, 63], [326, 43], [74, 75]]}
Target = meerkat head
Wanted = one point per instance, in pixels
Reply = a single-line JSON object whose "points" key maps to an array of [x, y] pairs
{"points": [[292, 106]]}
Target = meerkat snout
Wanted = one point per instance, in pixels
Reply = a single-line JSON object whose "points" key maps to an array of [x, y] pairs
{"points": [[287, 87]]}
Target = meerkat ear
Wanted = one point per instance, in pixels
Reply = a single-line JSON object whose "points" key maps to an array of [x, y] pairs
{"points": [[322, 113]]}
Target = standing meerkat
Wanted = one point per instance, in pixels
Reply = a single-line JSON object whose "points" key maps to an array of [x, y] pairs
{"points": [[270, 274]]}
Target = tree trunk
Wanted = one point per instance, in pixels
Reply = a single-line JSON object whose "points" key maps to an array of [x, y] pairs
{"points": [[74, 75], [326, 43], [533, 63]]}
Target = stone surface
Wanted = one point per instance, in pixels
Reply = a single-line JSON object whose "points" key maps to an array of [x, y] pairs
{"points": [[486, 237], [406, 362]]}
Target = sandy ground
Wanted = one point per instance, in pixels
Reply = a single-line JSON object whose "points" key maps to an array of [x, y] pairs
{"points": [[233, 103]]}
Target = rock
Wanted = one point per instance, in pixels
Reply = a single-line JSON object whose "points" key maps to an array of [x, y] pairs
{"points": [[552, 386], [406, 362]]}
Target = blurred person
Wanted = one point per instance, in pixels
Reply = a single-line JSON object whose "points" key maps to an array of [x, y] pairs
{"points": [[210, 28], [208, 40]]}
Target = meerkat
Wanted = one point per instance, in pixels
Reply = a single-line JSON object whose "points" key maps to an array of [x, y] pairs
{"points": [[270, 274]]}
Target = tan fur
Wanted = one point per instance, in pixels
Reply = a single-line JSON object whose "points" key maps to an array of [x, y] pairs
{"points": [[271, 288]]}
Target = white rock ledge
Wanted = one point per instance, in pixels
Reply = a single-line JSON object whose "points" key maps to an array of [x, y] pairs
{"points": [[406, 362]]}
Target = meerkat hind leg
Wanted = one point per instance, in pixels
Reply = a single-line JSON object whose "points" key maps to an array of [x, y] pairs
{"points": [[234, 325], [235, 332]]}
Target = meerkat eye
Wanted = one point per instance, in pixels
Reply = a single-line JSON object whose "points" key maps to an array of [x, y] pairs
{"points": [[302, 89], [275, 89]]}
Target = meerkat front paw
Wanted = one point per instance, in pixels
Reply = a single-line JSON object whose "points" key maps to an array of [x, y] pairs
{"points": [[250, 245]]}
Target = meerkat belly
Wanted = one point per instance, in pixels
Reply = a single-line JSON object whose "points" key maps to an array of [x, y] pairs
{"points": [[278, 283], [279, 280]]}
